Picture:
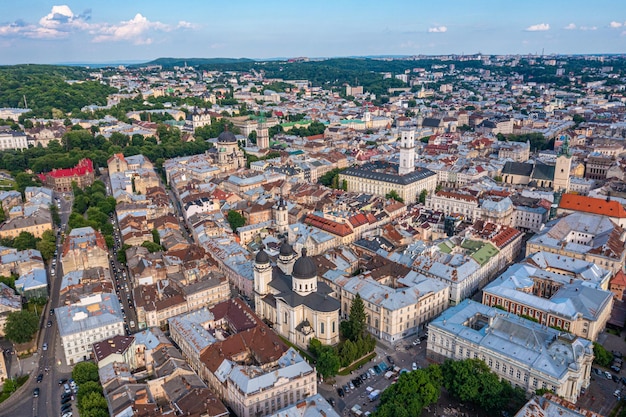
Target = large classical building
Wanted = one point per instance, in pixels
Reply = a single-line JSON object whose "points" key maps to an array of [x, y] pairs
{"points": [[92, 319], [613, 209], [61, 179], [527, 354], [552, 299], [226, 153], [13, 140], [395, 308], [541, 175], [382, 178], [290, 296], [589, 237]]}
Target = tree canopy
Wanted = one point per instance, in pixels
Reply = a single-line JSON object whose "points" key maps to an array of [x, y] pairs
{"points": [[235, 219], [84, 372], [411, 393], [355, 327], [471, 380], [21, 326]]}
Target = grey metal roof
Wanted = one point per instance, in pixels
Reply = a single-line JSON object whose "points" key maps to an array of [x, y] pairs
{"points": [[90, 313], [319, 301], [517, 168], [521, 341], [384, 171]]}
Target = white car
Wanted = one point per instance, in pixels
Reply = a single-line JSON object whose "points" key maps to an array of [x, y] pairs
{"points": [[617, 393], [414, 366], [45, 346], [416, 342]]}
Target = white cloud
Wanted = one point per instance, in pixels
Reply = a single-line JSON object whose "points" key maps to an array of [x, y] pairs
{"points": [[615, 24], [62, 21], [571, 26], [186, 25], [588, 28], [541, 27], [135, 30], [438, 29]]}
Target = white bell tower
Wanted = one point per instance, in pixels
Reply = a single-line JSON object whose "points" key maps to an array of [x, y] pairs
{"points": [[407, 152]]}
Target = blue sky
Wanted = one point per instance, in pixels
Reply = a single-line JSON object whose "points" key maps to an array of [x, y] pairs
{"points": [[41, 31]]}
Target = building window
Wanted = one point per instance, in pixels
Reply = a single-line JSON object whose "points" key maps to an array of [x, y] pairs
{"points": [[322, 328], [335, 330]]}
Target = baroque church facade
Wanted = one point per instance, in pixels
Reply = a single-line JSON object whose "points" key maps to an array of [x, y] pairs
{"points": [[289, 295], [226, 154]]}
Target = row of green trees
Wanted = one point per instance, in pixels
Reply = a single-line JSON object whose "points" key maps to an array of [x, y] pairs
{"points": [[90, 399], [26, 240], [469, 381], [92, 208]]}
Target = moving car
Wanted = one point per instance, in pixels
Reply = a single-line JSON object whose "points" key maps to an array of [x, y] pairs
{"points": [[36, 392]]}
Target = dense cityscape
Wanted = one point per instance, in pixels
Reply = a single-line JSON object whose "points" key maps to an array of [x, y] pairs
{"points": [[419, 235]]}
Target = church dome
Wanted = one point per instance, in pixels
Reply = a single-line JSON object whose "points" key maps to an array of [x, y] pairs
{"points": [[227, 137], [286, 249], [304, 268], [262, 257]]}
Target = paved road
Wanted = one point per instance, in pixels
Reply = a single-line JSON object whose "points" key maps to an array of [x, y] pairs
{"points": [[403, 356], [52, 359]]}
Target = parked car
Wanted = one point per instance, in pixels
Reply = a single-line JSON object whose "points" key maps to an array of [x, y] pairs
{"points": [[416, 342], [390, 360], [617, 353], [616, 368], [414, 366], [340, 392]]}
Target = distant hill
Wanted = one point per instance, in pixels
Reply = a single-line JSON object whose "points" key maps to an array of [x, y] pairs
{"points": [[193, 62]]}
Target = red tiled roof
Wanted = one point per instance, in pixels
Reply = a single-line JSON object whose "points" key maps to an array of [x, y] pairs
{"points": [[338, 229], [83, 167], [592, 205], [358, 220], [619, 279], [457, 196]]}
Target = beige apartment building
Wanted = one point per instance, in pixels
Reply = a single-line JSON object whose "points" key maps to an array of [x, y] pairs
{"points": [[395, 309]]}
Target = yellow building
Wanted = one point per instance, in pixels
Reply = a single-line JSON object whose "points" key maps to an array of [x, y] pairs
{"points": [[36, 224]]}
